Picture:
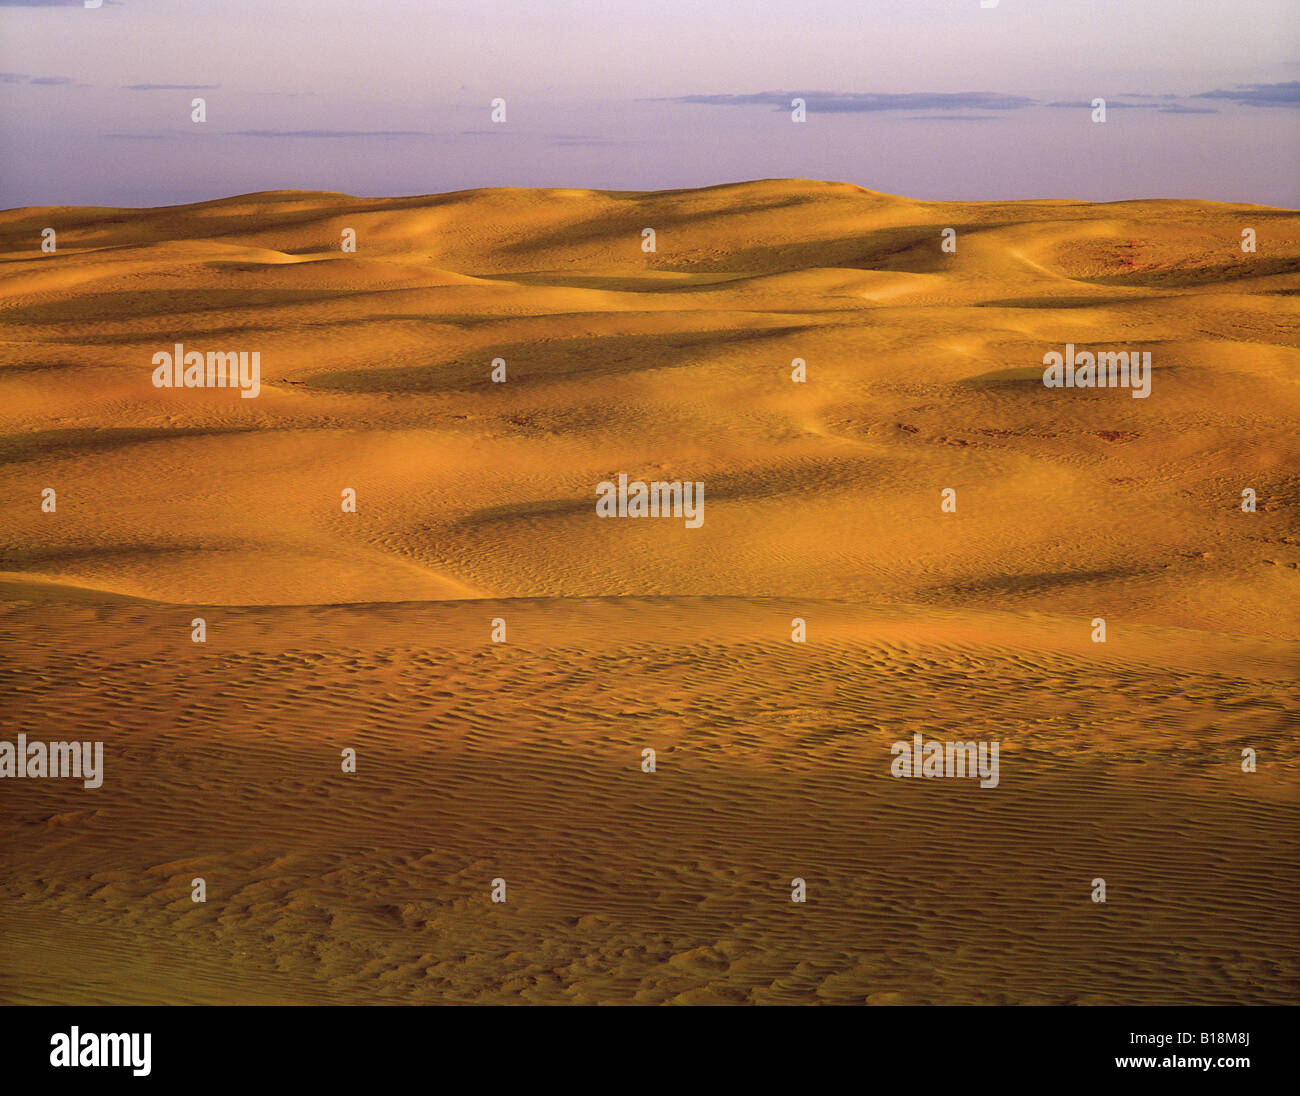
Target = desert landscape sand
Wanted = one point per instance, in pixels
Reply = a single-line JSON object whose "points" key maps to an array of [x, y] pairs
{"points": [[522, 760]]}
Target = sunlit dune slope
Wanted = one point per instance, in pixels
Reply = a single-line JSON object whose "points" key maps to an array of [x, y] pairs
{"points": [[523, 760], [923, 373]]}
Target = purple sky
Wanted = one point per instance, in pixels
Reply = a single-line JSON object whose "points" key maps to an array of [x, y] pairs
{"points": [[926, 98]]}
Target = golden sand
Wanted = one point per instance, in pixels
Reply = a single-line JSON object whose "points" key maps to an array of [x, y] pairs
{"points": [[475, 501]]}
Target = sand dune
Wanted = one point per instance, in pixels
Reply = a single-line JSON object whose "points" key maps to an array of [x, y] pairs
{"points": [[475, 501]]}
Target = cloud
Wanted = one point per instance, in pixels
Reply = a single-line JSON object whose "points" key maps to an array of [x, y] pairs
{"points": [[39, 81], [577, 140], [170, 87], [1161, 104], [1111, 104], [326, 133], [945, 104], [851, 102], [281, 134], [1259, 95]]}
